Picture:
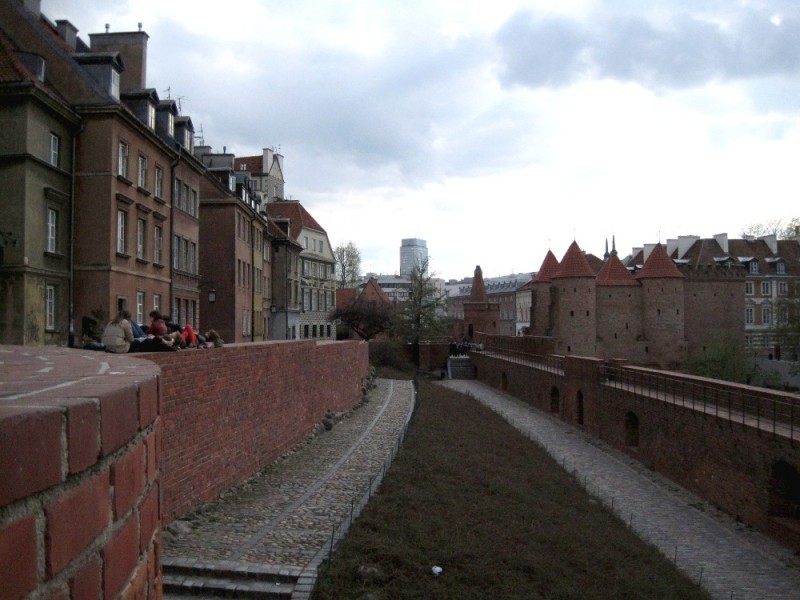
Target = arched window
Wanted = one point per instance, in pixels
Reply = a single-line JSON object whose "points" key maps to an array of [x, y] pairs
{"points": [[554, 400], [631, 429], [784, 491]]}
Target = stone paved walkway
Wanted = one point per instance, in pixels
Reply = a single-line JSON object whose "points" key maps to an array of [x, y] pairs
{"points": [[731, 561], [279, 525]]}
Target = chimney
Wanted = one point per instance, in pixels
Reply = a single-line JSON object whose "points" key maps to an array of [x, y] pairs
{"points": [[266, 160], [68, 32], [722, 240], [132, 46]]}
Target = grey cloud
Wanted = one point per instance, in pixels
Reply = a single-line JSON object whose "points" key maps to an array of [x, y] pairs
{"points": [[682, 52]]}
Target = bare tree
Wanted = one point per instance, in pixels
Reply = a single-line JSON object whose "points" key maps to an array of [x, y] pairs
{"points": [[784, 230], [367, 318], [348, 265]]}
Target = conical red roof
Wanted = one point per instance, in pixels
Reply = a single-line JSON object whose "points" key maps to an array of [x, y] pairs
{"points": [[478, 291], [615, 273], [659, 266], [574, 264], [548, 269]]}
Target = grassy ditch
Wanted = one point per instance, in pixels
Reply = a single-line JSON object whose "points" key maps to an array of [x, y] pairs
{"points": [[470, 494]]}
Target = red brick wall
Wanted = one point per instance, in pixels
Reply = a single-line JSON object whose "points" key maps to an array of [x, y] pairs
{"points": [[79, 480], [728, 463], [230, 411]]}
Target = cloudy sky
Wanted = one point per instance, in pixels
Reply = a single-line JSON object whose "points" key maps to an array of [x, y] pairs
{"points": [[493, 130]]}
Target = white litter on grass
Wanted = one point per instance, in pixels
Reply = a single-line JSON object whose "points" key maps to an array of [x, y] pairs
{"points": [[436, 570]]}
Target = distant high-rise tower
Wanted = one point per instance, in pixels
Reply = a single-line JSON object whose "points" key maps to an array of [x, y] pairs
{"points": [[413, 252]]}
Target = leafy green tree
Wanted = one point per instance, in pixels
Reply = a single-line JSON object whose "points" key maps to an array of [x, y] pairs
{"points": [[423, 316], [348, 265], [723, 359]]}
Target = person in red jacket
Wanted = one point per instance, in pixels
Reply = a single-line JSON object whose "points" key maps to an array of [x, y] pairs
{"points": [[189, 336], [158, 326]]}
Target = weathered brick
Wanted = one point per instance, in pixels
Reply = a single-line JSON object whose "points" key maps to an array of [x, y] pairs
{"points": [[85, 584], [18, 557], [148, 402], [74, 520], [137, 588], [119, 417], [148, 518], [30, 451], [128, 478], [120, 556], [151, 447], [82, 435]]}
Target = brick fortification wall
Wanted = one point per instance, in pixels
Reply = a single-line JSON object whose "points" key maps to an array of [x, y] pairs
{"points": [[729, 462], [230, 411], [79, 481]]}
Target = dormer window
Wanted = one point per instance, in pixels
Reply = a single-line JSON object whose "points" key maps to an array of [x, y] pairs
{"points": [[780, 268], [114, 84], [232, 183], [151, 116], [171, 125], [754, 266]]}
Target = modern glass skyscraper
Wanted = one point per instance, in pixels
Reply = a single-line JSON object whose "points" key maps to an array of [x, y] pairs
{"points": [[413, 252]]}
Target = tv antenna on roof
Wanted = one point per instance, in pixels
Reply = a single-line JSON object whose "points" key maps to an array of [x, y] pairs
{"points": [[199, 137]]}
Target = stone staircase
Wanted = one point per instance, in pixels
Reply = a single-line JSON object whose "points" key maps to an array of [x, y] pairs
{"points": [[460, 367], [188, 579]]}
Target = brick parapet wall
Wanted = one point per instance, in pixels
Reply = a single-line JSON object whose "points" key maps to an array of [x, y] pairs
{"points": [[241, 406], [727, 462], [79, 479]]}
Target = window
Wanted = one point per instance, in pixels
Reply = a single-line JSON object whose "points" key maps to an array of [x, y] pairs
{"points": [[765, 288], [50, 307], [52, 230], [780, 268], [159, 187], [151, 116], [176, 194], [185, 198], [140, 238], [176, 248], [748, 315], [748, 288], [306, 268], [139, 307], [171, 124], [122, 160], [158, 245], [55, 146], [321, 247], [142, 180], [305, 241], [157, 302], [115, 83], [192, 258], [122, 232], [766, 314], [306, 300], [783, 288], [753, 266], [193, 208]]}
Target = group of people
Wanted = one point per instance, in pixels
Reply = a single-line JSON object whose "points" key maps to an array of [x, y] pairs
{"points": [[123, 334]]}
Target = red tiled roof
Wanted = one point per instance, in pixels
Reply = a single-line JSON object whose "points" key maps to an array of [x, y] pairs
{"points": [[298, 216], [372, 292], [615, 273], [11, 70], [574, 264], [595, 262], [251, 163], [478, 291], [659, 266], [548, 269]]}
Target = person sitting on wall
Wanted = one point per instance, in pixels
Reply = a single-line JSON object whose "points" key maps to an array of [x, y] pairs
{"points": [[188, 336], [118, 335], [157, 326], [213, 338]]}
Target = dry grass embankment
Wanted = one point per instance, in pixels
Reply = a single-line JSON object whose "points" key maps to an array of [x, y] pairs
{"points": [[503, 520]]}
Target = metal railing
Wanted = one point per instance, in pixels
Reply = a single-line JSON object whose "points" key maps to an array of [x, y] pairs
{"points": [[773, 412], [549, 364]]}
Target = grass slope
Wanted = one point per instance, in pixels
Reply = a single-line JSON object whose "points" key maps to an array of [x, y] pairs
{"points": [[470, 494]]}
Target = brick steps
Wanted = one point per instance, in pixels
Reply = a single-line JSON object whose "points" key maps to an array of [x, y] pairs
{"points": [[460, 367], [196, 580]]}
